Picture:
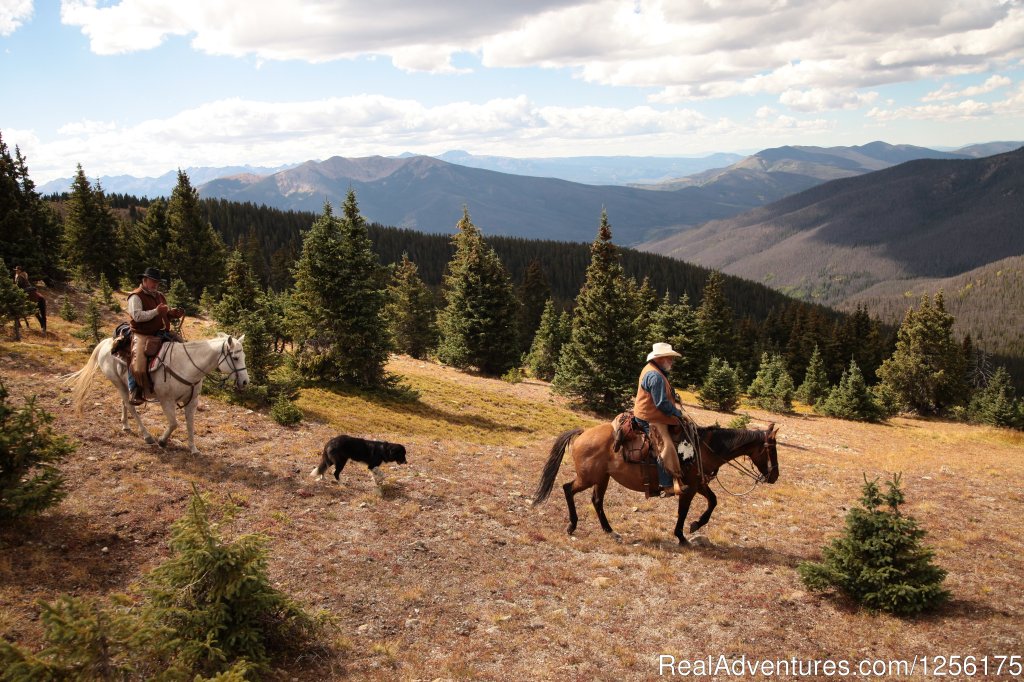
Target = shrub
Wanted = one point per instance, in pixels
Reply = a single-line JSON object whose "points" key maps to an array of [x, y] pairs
{"points": [[180, 296], [739, 422], [29, 455], [721, 388], [996, 404], [285, 412], [772, 388], [880, 562], [209, 610], [513, 376], [851, 399], [67, 311]]}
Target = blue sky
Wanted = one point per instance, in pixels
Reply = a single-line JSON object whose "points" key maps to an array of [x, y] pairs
{"points": [[141, 87]]}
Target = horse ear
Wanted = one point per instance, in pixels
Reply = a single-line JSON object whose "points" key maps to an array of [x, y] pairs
{"points": [[241, 338], [772, 429]]}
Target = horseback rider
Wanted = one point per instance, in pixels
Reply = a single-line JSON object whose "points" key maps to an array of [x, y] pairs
{"points": [[24, 282], [150, 317], [657, 405]]}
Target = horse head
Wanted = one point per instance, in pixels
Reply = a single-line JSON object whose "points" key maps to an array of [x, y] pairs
{"points": [[767, 457], [232, 360]]}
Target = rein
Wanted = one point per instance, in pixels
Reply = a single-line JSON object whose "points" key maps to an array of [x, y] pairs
{"points": [[753, 474]]}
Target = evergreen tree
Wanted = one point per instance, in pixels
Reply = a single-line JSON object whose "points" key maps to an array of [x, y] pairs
{"points": [[195, 252], [772, 388], [880, 561], [90, 231], [532, 294], [30, 231], [478, 324], [410, 311], [93, 321], [542, 360], [676, 324], [180, 296], [926, 372], [721, 388], [646, 306], [30, 454], [241, 295], [14, 304], [996, 404], [851, 398], [338, 302], [715, 322], [218, 599], [67, 311], [815, 385], [106, 291], [600, 363]]}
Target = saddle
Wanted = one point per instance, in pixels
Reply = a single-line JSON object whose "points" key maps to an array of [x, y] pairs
{"points": [[637, 449]]}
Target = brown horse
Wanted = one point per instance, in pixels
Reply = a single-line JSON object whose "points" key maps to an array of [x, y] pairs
{"points": [[596, 462]]}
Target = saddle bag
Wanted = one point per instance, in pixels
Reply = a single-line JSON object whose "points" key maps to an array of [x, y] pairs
{"points": [[152, 348]]}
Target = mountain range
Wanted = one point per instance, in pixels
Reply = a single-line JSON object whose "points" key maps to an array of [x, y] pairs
{"points": [[160, 186], [875, 237]]}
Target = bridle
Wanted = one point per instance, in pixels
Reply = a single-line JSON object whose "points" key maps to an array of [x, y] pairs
{"points": [[224, 354], [754, 474]]}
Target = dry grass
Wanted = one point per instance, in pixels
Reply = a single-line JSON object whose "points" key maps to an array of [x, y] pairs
{"points": [[452, 574]]}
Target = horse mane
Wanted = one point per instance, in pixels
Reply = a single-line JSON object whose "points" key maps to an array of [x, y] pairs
{"points": [[727, 440]]}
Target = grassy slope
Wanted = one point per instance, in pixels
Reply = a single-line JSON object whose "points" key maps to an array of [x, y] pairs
{"points": [[451, 573]]}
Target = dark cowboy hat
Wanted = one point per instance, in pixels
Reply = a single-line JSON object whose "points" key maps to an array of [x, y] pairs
{"points": [[152, 273]]}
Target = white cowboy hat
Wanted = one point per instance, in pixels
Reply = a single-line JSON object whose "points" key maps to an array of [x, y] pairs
{"points": [[662, 350]]}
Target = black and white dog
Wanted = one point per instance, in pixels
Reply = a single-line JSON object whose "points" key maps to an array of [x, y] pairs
{"points": [[372, 453]]}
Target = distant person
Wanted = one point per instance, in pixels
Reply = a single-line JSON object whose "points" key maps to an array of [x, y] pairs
{"points": [[24, 283], [657, 406], [150, 317]]}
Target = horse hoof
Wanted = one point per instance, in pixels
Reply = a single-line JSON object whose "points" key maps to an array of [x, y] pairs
{"points": [[150, 440], [695, 526], [570, 529], [195, 453], [617, 538], [162, 443]]}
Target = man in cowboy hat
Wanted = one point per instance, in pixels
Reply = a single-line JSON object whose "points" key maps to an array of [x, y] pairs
{"points": [[24, 282], [656, 404], [150, 317]]}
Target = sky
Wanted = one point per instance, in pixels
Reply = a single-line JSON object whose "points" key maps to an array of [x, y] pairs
{"points": [[141, 87]]}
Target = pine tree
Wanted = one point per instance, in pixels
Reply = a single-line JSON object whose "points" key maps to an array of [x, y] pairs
{"points": [[410, 311], [542, 360], [194, 250], [815, 385], [772, 388], [880, 561], [337, 309], [715, 322], [532, 295], [67, 311], [600, 363], [478, 324], [180, 296], [217, 597], [90, 230], [241, 295], [30, 454], [851, 398], [676, 324], [721, 388], [996, 404], [106, 291], [93, 320], [30, 231], [926, 372]]}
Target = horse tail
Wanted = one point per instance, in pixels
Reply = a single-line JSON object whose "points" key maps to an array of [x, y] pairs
{"points": [[547, 478], [82, 379]]}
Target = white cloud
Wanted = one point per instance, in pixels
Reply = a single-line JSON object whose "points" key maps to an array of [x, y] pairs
{"points": [[14, 13], [238, 131], [947, 91], [969, 109], [687, 49], [820, 99]]}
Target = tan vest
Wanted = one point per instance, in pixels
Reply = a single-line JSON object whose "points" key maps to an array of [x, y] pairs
{"points": [[149, 302], [643, 405]]}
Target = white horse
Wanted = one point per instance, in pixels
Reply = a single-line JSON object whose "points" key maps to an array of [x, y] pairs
{"points": [[177, 379]]}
